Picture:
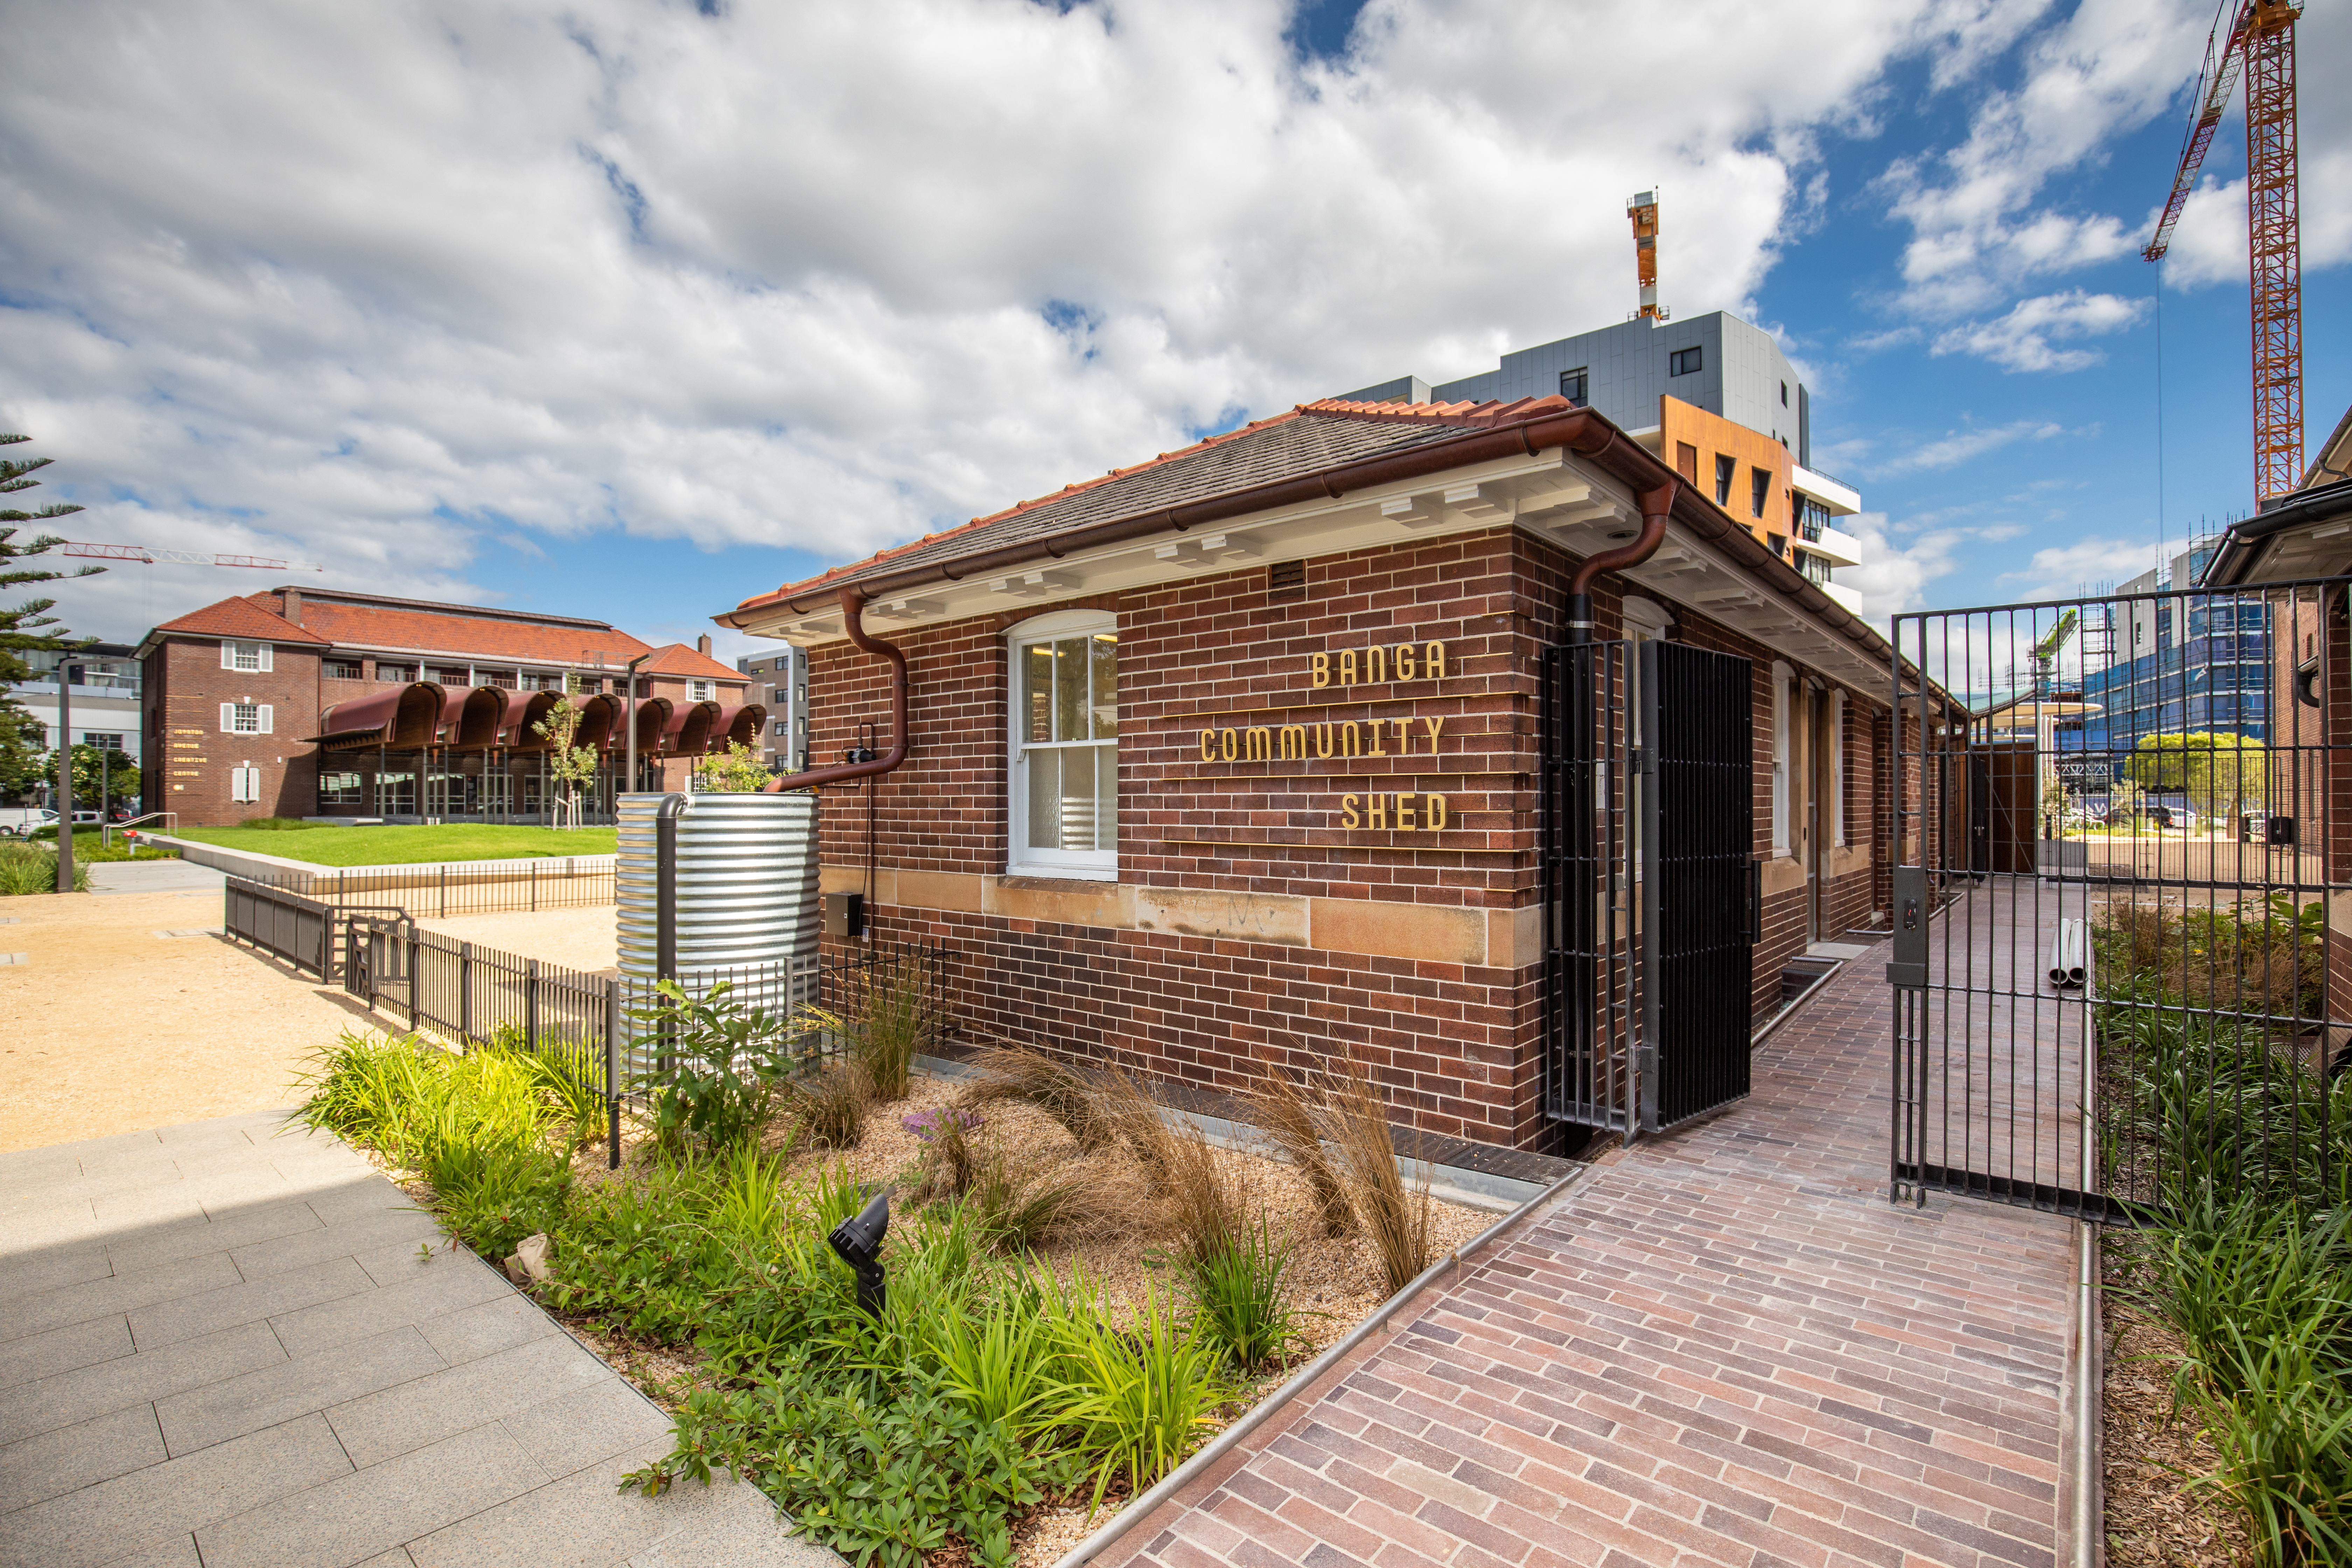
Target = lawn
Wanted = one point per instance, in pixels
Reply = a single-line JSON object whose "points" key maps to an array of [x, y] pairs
{"points": [[408, 846]]}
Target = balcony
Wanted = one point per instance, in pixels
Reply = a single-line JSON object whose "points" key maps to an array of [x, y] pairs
{"points": [[1841, 549], [1842, 499]]}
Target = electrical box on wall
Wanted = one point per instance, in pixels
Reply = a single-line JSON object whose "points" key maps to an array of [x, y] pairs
{"points": [[844, 914]]}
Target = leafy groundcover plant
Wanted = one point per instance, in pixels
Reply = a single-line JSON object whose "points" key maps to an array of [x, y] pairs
{"points": [[986, 1387], [2247, 1258]]}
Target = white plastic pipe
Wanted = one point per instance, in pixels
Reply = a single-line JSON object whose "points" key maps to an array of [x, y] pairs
{"points": [[2068, 960]]}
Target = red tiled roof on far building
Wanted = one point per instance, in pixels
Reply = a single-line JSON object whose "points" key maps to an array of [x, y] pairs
{"points": [[239, 618], [677, 658], [362, 621]]}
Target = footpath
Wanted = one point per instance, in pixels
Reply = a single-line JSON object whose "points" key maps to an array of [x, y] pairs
{"points": [[1722, 1347], [225, 1346]]}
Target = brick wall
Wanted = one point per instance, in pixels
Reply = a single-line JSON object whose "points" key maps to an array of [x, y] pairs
{"points": [[190, 757], [1455, 1044]]}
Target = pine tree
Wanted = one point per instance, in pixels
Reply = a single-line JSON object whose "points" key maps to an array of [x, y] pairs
{"points": [[24, 627]]}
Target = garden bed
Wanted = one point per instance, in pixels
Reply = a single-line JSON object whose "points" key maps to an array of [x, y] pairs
{"points": [[1081, 1289]]}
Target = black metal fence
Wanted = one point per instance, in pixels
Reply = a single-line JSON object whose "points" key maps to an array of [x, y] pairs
{"points": [[2123, 975], [437, 891]]}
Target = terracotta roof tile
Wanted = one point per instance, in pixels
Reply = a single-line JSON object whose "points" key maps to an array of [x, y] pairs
{"points": [[481, 636], [677, 658], [240, 619], [1307, 440]]}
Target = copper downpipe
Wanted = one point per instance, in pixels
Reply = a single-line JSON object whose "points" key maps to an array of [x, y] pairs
{"points": [[853, 612], [1655, 505]]}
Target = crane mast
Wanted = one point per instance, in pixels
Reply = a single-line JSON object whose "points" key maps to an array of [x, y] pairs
{"points": [[2255, 39]]}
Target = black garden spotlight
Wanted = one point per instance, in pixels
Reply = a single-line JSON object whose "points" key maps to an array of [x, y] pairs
{"points": [[859, 1242]]}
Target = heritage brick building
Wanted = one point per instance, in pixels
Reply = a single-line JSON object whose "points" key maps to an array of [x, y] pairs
{"points": [[1237, 755], [310, 702]]}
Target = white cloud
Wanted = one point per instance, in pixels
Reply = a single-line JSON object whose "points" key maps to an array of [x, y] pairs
{"points": [[1963, 445], [1981, 223], [2022, 339], [2061, 571], [370, 284]]}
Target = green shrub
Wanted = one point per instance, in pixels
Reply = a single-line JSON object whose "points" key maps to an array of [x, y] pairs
{"points": [[32, 868], [1140, 1398], [829, 1104], [1237, 1299], [491, 1195], [728, 1063]]}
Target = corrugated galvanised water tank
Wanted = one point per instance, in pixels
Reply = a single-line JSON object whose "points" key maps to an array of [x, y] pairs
{"points": [[746, 890]]}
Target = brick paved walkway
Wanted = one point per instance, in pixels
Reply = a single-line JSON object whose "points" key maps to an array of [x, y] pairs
{"points": [[222, 1346], [1722, 1347]]}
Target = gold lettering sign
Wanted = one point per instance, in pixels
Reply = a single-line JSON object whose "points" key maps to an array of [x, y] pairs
{"points": [[1382, 664], [1378, 663]]}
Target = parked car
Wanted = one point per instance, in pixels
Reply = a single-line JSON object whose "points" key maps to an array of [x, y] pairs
{"points": [[19, 821]]}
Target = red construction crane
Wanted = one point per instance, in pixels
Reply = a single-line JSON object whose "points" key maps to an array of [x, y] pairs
{"points": [[181, 557], [2256, 39]]}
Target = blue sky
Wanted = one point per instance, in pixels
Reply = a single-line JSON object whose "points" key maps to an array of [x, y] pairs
{"points": [[632, 312]]}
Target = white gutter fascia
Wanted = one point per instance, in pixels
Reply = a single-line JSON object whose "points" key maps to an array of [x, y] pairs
{"points": [[1351, 522]]}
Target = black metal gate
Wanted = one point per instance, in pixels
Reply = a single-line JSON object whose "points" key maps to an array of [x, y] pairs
{"points": [[2118, 958], [1647, 753], [1697, 762]]}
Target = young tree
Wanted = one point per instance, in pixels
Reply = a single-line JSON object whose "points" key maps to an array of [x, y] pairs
{"points": [[2219, 772], [573, 767], [96, 771], [24, 627], [739, 772]]}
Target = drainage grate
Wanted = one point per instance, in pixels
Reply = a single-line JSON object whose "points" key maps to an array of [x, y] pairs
{"points": [[192, 930]]}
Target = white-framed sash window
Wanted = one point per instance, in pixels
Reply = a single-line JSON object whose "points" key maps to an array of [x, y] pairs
{"points": [[1062, 751], [1781, 676], [245, 655], [248, 719]]}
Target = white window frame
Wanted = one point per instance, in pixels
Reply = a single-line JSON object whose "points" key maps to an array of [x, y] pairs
{"points": [[1781, 676], [264, 719], [1643, 620], [233, 648], [700, 691], [245, 784], [1085, 865], [1837, 769]]}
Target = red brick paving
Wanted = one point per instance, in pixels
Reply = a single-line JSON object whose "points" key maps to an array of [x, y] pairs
{"points": [[1722, 1347]]}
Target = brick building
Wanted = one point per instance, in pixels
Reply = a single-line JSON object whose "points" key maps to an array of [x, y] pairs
{"points": [[1245, 752], [309, 702]]}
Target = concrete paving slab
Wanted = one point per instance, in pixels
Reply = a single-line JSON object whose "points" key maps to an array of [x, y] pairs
{"points": [[373, 1510], [99, 1523], [76, 1396], [116, 1294], [386, 1226], [21, 1235], [576, 1430], [220, 1410], [464, 1393], [63, 1350], [180, 1552], [424, 1410], [747, 1535], [492, 1327], [72, 1458], [53, 1269], [169, 1322], [231, 1227], [583, 1520], [455, 1283]]}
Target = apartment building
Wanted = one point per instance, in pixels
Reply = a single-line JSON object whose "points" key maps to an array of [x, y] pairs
{"points": [[1713, 397]]}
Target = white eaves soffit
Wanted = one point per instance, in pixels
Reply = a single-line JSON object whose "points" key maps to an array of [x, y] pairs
{"points": [[1551, 494]]}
